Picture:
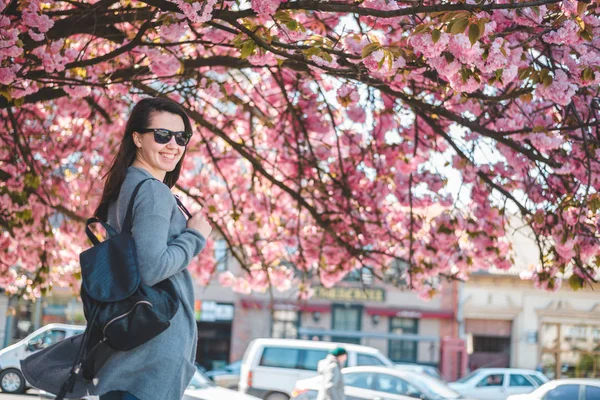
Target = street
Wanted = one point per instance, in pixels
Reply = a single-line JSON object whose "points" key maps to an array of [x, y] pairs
{"points": [[30, 395]]}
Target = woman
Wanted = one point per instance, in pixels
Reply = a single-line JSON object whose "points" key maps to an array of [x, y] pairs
{"points": [[154, 146]]}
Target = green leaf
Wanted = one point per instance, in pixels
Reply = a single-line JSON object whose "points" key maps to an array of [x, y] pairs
{"points": [[459, 25], [370, 48], [548, 80], [435, 35], [247, 49], [474, 33], [575, 282], [581, 7]]}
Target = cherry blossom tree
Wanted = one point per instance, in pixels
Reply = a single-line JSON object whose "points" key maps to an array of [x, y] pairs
{"points": [[399, 136]]}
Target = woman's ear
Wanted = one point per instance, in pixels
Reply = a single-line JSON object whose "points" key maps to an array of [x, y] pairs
{"points": [[137, 140]]}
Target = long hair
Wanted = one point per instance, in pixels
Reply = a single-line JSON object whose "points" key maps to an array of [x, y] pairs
{"points": [[138, 120]]}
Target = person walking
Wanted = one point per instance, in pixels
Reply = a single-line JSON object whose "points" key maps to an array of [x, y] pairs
{"points": [[332, 381], [154, 146]]}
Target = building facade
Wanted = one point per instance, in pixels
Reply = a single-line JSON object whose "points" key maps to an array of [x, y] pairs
{"points": [[509, 323]]}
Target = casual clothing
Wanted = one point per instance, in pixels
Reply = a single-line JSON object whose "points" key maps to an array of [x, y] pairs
{"points": [[161, 368], [332, 382], [118, 396]]}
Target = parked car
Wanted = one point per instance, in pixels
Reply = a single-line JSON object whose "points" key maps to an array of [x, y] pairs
{"points": [[564, 389], [11, 378], [200, 388], [381, 383], [498, 383], [227, 376], [271, 367], [422, 369]]}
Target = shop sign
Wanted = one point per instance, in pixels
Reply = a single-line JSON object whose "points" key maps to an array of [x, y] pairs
{"points": [[211, 311], [349, 294]]}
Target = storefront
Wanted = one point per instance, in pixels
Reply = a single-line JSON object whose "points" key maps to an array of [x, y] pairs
{"points": [[214, 320]]}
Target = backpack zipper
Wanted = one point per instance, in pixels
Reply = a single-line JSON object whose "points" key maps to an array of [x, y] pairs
{"points": [[124, 315]]}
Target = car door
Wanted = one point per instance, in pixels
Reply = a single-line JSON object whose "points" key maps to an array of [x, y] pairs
{"points": [[277, 369], [360, 386], [489, 387], [519, 384], [390, 385]]}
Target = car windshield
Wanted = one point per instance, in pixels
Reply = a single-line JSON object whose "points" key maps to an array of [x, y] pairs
{"points": [[467, 377], [436, 388], [199, 380]]}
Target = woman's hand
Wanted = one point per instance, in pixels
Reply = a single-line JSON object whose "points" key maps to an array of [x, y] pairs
{"points": [[199, 223]]}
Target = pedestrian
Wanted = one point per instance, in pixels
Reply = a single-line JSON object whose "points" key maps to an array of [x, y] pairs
{"points": [[332, 382], [154, 146]]}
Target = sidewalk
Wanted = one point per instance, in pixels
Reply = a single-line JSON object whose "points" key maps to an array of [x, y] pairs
{"points": [[30, 395]]}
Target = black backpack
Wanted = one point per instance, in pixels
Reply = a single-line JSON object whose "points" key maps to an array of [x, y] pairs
{"points": [[121, 312]]}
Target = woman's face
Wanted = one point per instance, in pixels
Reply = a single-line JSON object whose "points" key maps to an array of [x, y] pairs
{"points": [[158, 158]]}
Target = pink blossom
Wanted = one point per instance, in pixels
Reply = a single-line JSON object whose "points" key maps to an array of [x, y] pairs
{"points": [[265, 8], [226, 279], [357, 114], [566, 35], [162, 64], [347, 95], [77, 92], [560, 91], [33, 20], [8, 74], [423, 44], [262, 57]]}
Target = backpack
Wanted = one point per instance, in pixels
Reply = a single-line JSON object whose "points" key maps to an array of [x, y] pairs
{"points": [[122, 313]]}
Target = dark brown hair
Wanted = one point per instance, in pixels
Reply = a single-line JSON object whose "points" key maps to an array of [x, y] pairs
{"points": [[139, 119]]}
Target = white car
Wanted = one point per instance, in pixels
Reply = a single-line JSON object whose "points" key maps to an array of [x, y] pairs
{"points": [[564, 389], [381, 383], [271, 367], [498, 383], [11, 378], [202, 388]]}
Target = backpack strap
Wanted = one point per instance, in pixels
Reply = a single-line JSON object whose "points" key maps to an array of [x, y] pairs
{"points": [[129, 216]]}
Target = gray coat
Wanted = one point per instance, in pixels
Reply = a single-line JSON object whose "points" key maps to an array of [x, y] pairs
{"points": [[161, 368], [332, 382]]}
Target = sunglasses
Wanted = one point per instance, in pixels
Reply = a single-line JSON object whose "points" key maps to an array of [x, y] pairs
{"points": [[163, 136]]}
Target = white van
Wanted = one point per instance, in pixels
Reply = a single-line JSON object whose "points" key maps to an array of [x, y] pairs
{"points": [[11, 378], [271, 367]]}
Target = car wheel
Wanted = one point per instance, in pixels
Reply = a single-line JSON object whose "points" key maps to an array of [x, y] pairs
{"points": [[277, 396], [12, 381]]}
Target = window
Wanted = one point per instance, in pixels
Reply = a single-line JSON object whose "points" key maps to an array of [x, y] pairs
{"points": [[392, 384], [285, 324], [492, 380], [403, 350], [280, 357], [361, 380], [536, 379], [491, 344], [564, 392], [365, 359], [311, 359], [346, 319], [592, 392], [221, 255], [519, 380], [47, 338]]}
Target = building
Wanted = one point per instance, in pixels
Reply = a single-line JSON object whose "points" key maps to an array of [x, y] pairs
{"points": [[507, 322]]}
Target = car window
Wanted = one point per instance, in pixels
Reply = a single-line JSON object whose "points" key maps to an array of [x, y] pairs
{"points": [[362, 380], [519, 380], [311, 358], [592, 392], [536, 379], [392, 384], [280, 357], [563, 392], [48, 338], [491, 380], [366, 359]]}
